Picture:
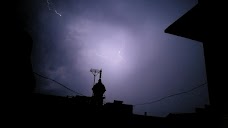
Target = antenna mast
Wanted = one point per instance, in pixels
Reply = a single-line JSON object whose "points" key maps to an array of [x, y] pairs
{"points": [[95, 72]]}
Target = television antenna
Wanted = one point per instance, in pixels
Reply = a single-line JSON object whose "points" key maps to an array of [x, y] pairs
{"points": [[95, 72]]}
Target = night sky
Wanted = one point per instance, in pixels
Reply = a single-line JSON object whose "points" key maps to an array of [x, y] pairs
{"points": [[124, 38]]}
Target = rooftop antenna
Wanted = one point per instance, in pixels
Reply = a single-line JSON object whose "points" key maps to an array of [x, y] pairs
{"points": [[95, 72], [100, 73]]}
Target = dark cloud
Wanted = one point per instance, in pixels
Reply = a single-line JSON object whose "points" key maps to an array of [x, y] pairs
{"points": [[126, 39]]}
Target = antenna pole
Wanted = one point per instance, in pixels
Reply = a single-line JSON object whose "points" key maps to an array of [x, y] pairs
{"points": [[95, 72], [100, 73], [94, 79]]}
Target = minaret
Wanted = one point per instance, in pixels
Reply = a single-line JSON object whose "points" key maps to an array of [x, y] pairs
{"points": [[98, 91]]}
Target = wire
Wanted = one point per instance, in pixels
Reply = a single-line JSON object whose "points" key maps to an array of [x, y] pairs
{"points": [[146, 103], [57, 83], [180, 93]]}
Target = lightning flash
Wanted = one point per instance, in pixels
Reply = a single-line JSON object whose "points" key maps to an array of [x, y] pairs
{"points": [[112, 55], [52, 8]]}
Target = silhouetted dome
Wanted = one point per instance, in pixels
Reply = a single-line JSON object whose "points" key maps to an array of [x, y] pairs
{"points": [[98, 88]]}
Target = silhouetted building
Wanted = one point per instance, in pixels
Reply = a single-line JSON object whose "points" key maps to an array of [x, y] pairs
{"points": [[118, 108], [18, 72], [200, 118], [98, 91], [201, 23]]}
